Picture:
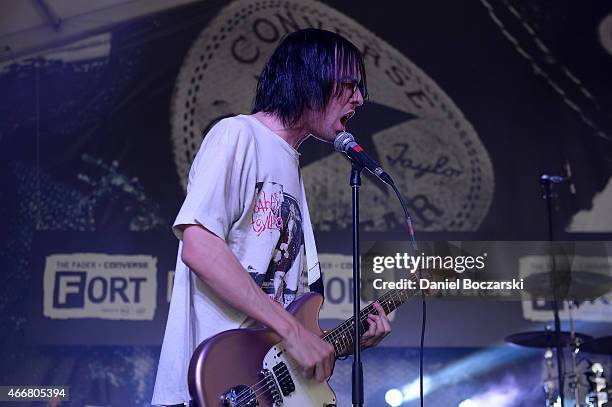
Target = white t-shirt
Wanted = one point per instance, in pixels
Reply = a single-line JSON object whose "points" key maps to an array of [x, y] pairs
{"points": [[245, 187]]}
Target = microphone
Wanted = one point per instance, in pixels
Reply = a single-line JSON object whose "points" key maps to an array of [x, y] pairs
{"points": [[555, 179], [345, 143]]}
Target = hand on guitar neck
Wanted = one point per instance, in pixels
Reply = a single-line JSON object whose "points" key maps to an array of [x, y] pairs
{"points": [[377, 327]]}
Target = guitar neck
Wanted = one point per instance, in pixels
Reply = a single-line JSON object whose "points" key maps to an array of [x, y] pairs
{"points": [[342, 336]]}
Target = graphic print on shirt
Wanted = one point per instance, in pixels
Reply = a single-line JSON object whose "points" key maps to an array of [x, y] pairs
{"points": [[278, 212]]}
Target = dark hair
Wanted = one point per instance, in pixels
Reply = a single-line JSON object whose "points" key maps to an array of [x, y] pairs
{"points": [[303, 71]]}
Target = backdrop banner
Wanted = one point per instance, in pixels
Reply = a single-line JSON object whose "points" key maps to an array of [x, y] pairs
{"points": [[470, 103]]}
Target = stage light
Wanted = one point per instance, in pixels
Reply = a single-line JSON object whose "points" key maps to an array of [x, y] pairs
{"points": [[476, 364], [394, 397], [412, 390], [467, 403]]}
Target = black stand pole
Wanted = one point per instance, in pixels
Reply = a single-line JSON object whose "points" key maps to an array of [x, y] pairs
{"points": [[547, 185], [357, 367]]}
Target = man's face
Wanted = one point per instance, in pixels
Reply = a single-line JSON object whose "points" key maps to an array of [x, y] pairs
{"points": [[326, 124]]}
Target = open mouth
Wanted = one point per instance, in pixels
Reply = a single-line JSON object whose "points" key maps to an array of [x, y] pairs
{"points": [[344, 119]]}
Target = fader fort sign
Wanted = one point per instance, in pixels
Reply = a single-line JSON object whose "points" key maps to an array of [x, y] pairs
{"points": [[435, 157], [99, 285]]}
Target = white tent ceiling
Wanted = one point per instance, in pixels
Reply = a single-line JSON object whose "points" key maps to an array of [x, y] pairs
{"points": [[29, 27]]}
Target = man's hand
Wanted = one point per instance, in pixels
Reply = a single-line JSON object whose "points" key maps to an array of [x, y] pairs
{"points": [[379, 327], [313, 354], [214, 263]]}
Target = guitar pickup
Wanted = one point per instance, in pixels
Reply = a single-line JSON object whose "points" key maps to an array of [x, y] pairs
{"points": [[283, 377], [272, 387]]}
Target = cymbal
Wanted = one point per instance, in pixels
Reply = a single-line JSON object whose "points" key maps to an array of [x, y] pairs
{"points": [[578, 285], [601, 345], [543, 339]]}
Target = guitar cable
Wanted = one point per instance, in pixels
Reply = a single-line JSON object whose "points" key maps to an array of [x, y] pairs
{"points": [[423, 303]]}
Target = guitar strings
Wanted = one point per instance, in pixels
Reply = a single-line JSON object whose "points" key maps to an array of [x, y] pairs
{"points": [[384, 302], [394, 294]]}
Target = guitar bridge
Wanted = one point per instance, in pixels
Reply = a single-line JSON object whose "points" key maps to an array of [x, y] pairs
{"points": [[240, 395]]}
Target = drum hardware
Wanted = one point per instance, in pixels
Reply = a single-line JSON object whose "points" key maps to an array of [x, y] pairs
{"points": [[599, 393], [547, 340], [550, 392], [563, 286]]}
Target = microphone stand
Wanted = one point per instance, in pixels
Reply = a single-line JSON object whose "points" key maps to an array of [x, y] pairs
{"points": [[357, 371], [346, 144], [548, 196]]}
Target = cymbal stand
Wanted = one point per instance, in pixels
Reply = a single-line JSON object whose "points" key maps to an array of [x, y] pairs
{"points": [[575, 347], [549, 381], [546, 184]]}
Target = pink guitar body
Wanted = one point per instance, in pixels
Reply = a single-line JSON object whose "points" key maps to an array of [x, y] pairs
{"points": [[249, 367]]}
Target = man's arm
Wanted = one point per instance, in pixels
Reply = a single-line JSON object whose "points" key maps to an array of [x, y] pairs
{"points": [[214, 263]]}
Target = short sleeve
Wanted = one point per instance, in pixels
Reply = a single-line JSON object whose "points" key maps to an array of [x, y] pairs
{"points": [[219, 180]]}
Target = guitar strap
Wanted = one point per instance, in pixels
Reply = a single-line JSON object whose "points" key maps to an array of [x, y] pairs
{"points": [[312, 259], [311, 262]]}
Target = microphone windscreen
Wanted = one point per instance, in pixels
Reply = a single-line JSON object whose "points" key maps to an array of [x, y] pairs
{"points": [[342, 140]]}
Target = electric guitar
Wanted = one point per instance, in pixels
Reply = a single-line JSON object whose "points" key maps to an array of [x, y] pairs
{"points": [[250, 367]]}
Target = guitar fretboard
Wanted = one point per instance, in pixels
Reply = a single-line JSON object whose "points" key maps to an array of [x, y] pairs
{"points": [[342, 336]]}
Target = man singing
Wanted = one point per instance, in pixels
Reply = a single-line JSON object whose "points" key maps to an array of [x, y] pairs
{"points": [[246, 242]]}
